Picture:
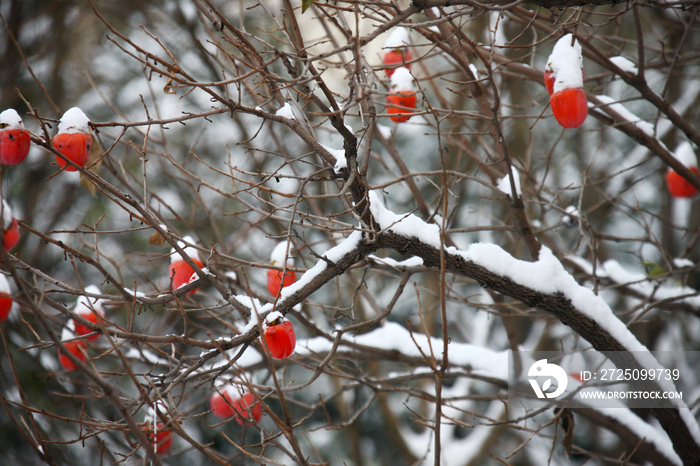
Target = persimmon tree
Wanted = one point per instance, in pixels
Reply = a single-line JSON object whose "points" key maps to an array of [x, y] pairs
{"points": [[380, 186]]}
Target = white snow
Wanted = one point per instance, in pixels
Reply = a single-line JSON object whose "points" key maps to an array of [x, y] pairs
{"points": [[648, 287], [406, 225], [6, 215], [647, 127], [438, 14], [279, 253], [401, 80], [10, 119], [414, 261], [572, 216], [397, 39], [339, 155], [547, 276], [340, 164], [394, 337], [640, 282], [572, 210], [334, 255], [286, 111], [566, 64], [624, 64], [85, 304], [456, 450], [256, 309], [686, 155], [73, 121], [4, 284], [138, 294], [68, 332], [658, 437], [681, 262], [504, 183], [271, 317], [618, 410], [189, 250]]}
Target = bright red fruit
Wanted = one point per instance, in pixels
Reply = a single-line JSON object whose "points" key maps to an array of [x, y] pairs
{"points": [[278, 332], [14, 146], [161, 440], [679, 186], [227, 403], [395, 58], [5, 298], [570, 107], [402, 99], [73, 139], [74, 146], [14, 139], [11, 236], [10, 226], [5, 306], [182, 272], [274, 280], [179, 270], [81, 329], [88, 308], [221, 404], [77, 348], [549, 81]]}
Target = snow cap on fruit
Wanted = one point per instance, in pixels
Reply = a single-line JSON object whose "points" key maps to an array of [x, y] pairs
{"points": [[278, 254], [224, 385], [85, 303], [10, 119], [6, 215], [272, 317], [397, 39], [73, 121], [401, 80], [4, 284], [686, 155], [189, 250], [566, 64], [68, 332]]}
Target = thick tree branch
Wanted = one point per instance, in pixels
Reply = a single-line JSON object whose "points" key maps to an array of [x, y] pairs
{"points": [[561, 307]]}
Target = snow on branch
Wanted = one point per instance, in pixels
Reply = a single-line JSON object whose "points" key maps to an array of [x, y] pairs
{"points": [[642, 285], [488, 364], [647, 127], [639, 131], [544, 284]]}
